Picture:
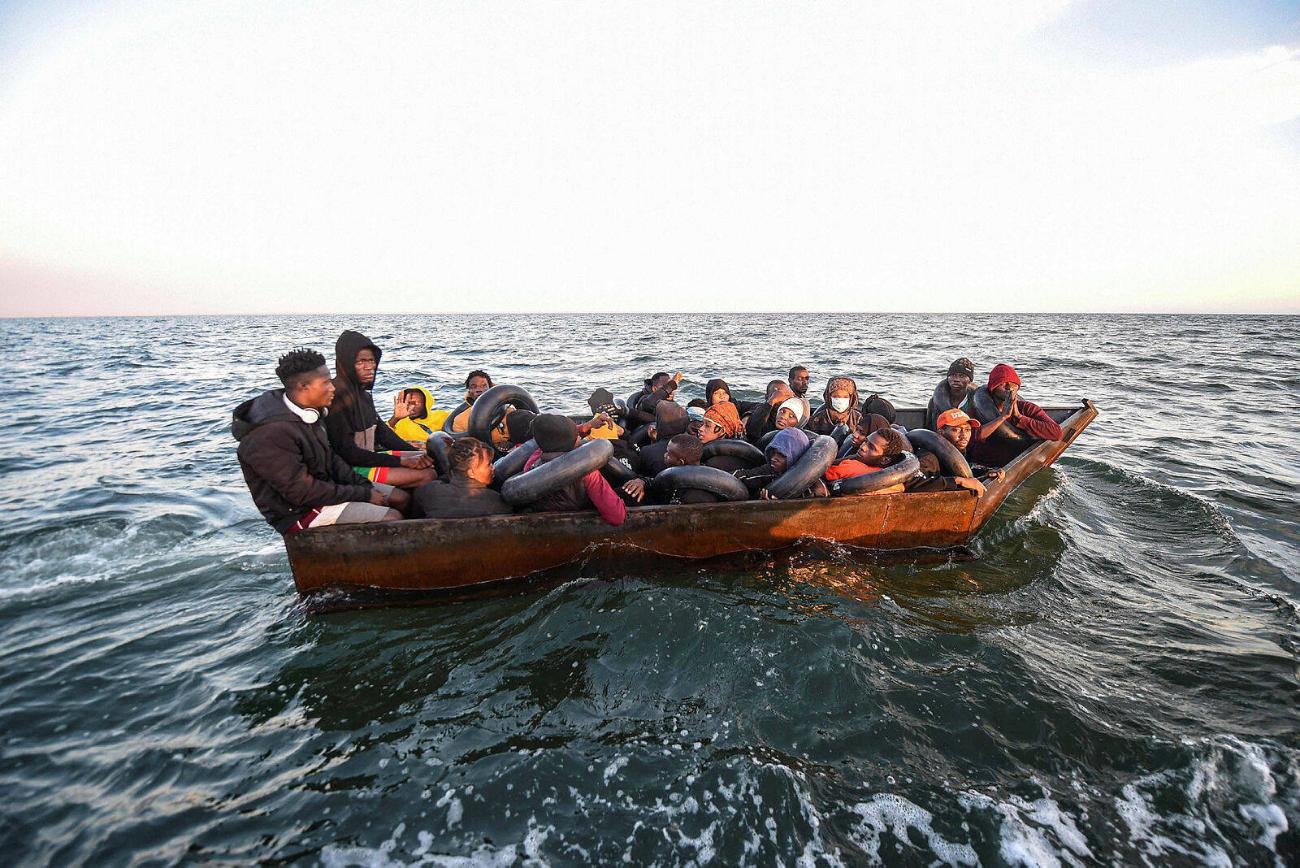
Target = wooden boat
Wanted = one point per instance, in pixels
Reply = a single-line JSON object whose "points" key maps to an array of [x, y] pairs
{"points": [[454, 554]]}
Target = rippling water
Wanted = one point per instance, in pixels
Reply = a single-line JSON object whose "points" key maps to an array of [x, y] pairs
{"points": [[1111, 678]]}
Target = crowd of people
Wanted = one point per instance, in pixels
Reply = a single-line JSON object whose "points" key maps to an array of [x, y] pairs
{"points": [[316, 452]]}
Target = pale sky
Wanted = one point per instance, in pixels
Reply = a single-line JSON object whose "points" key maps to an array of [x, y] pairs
{"points": [[265, 157]]}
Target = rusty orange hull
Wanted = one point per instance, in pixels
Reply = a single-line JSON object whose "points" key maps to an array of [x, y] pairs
{"points": [[450, 554]]}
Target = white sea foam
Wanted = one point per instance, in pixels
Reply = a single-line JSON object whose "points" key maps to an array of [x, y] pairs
{"points": [[887, 812]]}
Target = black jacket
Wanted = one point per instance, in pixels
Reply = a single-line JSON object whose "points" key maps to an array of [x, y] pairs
{"points": [[288, 464], [458, 497], [353, 410]]}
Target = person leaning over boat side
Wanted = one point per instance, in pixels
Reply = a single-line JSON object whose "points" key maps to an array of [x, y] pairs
{"points": [[465, 492], [670, 420], [556, 435], [785, 450], [878, 451], [476, 383], [955, 387], [295, 478], [839, 407], [1029, 418], [798, 380], [355, 430], [414, 418], [762, 418], [955, 427]]}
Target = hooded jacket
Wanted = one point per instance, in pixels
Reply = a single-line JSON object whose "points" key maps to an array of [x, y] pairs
{"points": [[825, 419], [288, 464], [354, 427], [414, 429]]}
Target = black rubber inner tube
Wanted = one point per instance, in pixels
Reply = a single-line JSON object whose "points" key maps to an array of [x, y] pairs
{"points": [[437, 445], [512, 462], [839, 432], [807, 470], [489, 407], [701, 478], [766, 440], [640, 437], [847, 448], [532, 485], [740, 449], [986, 410], [616, 473], [951, 461], [462, 407], [883, 478], [941, 400]]}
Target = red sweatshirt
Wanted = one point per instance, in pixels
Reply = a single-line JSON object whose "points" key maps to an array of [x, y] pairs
{"points": [[608, 504], [996, 451]]}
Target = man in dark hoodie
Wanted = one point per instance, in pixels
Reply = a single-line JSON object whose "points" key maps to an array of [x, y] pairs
{"points": [[670, 420], [355, 430], [295, 478]]}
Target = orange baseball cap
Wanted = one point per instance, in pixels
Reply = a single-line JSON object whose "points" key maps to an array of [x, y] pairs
{"points": [[955, 417]]}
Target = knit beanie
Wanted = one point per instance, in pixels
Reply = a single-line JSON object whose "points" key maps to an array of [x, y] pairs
{"points": [[1002, 374], [519, 425], [555, 433], [963, 366]]}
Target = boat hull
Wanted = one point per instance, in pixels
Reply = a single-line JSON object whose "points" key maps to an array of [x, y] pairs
{"points": [[452, 554]]}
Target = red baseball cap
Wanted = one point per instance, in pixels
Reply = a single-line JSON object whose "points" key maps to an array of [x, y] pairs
{"points": [[955, 417]]}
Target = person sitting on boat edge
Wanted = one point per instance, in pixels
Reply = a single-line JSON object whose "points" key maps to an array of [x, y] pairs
{"points": [[465, 492], [414, 418], [955, 427], [295, 478], [1026, 417], [476, 383], [556, 435], [953, 391], [355, 430], [881, 449], [839, 407], [785, 450]]}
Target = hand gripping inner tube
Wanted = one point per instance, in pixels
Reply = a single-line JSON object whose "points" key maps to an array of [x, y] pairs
{"points": [[701, 478], [437, 445], [950, 458], [616, 473], [986, 410], [534, 484], [869, 482], [740, 449], [489, 407], [807, 470], [512, 462]]}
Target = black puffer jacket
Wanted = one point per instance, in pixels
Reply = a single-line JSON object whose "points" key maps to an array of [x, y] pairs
{"points": [[288, 464]]}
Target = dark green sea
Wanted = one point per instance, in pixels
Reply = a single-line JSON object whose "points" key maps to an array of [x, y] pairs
{"points": [[1108, 675]]}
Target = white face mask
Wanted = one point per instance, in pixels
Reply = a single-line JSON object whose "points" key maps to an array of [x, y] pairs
{"points": [[839, 404]]}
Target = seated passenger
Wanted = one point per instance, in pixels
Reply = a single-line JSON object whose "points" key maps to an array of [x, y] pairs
{"points": [[519, 426], [716, 390], [1028, 418], [721, 420], [879, 450], [876, 405], [476, 384], [762, 418], [695, 415], [465, 492], [839, 407], [798, 380], [414, 418], [295, 478], [556, 435], [783, 452], [605, 415], [665, 391], [670, 420], [683, 450], [355, 430], [955, 427], [636, 417], [953, 392]]}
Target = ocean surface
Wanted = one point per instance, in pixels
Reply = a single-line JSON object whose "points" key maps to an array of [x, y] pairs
{"points": [[1107, 676]]}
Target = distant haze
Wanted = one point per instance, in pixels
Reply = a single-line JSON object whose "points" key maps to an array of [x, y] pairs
{"points": [[232, 157]]}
